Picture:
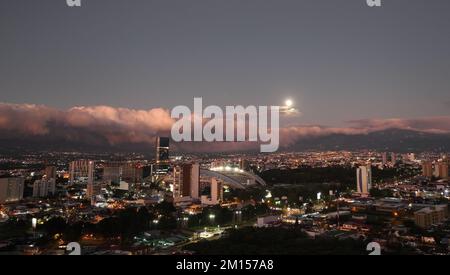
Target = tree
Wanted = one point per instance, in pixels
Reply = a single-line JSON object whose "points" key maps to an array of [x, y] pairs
{"points": [[167, 223], [56, 225], [144, 217], [73, 232], [165, 208], [109, 227]]}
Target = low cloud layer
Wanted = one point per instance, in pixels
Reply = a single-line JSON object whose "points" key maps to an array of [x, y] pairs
{"points": [[117, 126], [431, 125]]}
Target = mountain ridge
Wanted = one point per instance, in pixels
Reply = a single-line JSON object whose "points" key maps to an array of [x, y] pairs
{"points": [[385, 140]]}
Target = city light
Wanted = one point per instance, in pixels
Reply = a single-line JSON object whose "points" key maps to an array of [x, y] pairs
{"points": [[227, 169], [3, 215], [309, 209]]}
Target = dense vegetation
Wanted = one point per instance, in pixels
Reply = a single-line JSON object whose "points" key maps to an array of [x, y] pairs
{"points": [[344, 175], [224, 216], [306, 182], [13, 228], [276, 241], [130, 222]]}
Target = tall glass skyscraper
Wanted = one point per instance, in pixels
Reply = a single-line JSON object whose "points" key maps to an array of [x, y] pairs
{"points": [[364, 180], [162, 155]]}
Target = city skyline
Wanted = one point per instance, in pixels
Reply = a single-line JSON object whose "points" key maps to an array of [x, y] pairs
{"points": [[95, 202]]}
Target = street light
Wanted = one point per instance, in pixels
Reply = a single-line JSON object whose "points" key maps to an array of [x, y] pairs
{"points": [[184, 221], [33, 225], [212, 217], [237, 216]]}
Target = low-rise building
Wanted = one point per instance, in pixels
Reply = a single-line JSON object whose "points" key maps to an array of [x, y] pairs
{"points": [[11, 189], [43, 188], [267, 221], [429, 216]]}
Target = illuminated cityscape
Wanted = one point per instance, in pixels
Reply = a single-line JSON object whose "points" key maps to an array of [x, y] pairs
{"points": [[242, 128], [336, 195]]}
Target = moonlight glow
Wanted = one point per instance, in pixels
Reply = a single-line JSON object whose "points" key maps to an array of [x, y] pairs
{"points": [[289, 103]]}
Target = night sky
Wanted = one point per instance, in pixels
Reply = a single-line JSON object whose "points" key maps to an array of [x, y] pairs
{"points": [[339, 60]]}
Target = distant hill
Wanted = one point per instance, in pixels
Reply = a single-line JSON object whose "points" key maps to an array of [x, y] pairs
{"points": [[387, 140], [60, 144]]}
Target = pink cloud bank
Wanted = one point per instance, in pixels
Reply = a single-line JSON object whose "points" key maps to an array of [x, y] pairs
{"points": [[116, 125], [123, 125]]}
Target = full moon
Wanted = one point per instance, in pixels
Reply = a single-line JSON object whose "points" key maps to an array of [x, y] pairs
{"points": [[289, 103]]}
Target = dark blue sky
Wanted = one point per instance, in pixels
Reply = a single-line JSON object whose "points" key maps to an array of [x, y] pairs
{"points": [[337, 59]]}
